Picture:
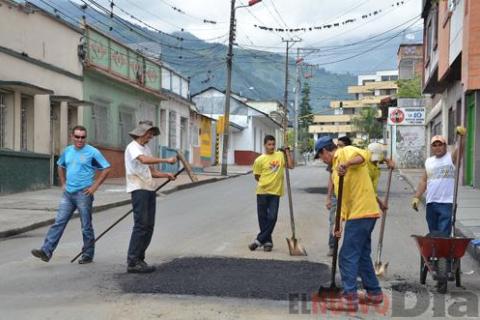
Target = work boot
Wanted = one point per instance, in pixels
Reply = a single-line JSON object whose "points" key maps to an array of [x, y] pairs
{"points": [[254, 245], [140, 267], [39, 253], [268, 246], [85, 260]]}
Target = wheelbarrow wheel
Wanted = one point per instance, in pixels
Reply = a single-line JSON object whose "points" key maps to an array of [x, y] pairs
{"points": [[423, 271], [442, 282], [458, 272]]}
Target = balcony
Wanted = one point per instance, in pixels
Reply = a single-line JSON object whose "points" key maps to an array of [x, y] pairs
{"points": [[330, 129], [333, 118], [372, 86], [365, 102]]}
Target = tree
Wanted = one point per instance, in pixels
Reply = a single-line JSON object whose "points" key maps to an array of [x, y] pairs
{"points": [[305, 119], [366, 123], [411, 88]]}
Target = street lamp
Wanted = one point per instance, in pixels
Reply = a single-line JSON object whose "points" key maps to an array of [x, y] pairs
{"points": [[226, 115]]}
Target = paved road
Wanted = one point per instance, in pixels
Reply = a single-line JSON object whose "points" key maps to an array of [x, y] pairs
{"points": [[207, 271]]}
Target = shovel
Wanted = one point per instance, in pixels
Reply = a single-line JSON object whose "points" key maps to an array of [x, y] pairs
{"points": [[294, 247], [332, 291], [381, 268]]}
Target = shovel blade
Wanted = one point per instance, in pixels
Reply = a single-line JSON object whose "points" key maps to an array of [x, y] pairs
{"points": [[381, 269], [295, 248], [331, 292]]}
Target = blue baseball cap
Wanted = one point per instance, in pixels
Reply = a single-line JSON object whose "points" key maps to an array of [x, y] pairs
{"points": [[321, 143]]}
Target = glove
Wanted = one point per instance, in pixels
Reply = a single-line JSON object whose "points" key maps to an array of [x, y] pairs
{"points": [[415, 202], [461, 130]]}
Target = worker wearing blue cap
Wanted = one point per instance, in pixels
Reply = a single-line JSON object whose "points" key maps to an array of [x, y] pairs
{"points": [[359, 213]]}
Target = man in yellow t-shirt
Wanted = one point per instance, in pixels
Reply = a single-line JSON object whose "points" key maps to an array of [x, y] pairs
{"points": [[359, 211], [268, 170]]}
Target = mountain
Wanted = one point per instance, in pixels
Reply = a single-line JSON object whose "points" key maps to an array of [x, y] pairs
{"points": [[256, 74]]}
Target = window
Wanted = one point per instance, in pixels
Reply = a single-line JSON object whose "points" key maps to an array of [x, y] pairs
{"points": [[26, 124], [195, 135], [428, 41], [166, 79], [100, 122], [172, 129], [389, 78], [452, 123], [126, 123], [183, 133], [3, 120]]}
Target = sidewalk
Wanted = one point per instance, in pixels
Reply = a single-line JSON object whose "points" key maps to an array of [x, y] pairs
{"points": [[25, 211], [468, 210]]}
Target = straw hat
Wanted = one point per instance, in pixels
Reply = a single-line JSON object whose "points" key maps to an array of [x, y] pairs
{"points": [[142, 128]]}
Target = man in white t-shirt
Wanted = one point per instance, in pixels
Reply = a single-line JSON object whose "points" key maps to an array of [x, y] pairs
{"points": [[140, 175], [438, 181]]}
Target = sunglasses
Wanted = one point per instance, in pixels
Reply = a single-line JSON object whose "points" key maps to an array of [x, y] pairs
{"points": [[80, 137]]}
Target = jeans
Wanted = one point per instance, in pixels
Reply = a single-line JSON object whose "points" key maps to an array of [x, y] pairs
{"points": [[439, 217], [355, 257], [144, 205], [267, 210], [331, 220], [68, 204]]}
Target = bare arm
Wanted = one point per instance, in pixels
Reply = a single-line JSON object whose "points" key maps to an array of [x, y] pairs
{"points": [[61, 176], [422, 186], [159, 174], [342, 168], [289, 159], [148, 160], [328, 203], [455, 152], [98, 182]]}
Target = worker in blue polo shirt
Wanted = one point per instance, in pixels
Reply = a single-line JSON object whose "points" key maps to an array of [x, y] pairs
{"points": [[76, 170]]}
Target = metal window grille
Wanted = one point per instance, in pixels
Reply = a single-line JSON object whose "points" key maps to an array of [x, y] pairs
{"points": [[3, 120], [172, 129], [101, 122], [126, 123], [23, 128], [183, 133]]}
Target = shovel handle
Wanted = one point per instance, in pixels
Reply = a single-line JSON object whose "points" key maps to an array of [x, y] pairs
{"points": [[119, 220], [458, 163], [338, 216], [289, 192]]}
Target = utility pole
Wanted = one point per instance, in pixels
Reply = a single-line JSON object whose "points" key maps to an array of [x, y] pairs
{"points": [[226, 116], [285, 93], [228, 90], [298, 86]]}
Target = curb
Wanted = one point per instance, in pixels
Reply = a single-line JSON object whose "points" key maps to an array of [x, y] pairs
{"points": [[459, 227], [97, 209]]}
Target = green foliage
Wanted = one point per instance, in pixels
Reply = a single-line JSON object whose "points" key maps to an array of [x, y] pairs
{"points": [[367, 124], [305, 119], [411, 88]]}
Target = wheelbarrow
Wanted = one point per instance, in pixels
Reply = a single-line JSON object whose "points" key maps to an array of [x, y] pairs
{"points": [[441, 257]]}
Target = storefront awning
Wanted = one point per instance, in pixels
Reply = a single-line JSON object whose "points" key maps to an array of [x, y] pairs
{"points": [[71, 100], [24, 87]]}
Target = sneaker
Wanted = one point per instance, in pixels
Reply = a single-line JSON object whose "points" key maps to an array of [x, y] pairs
{"points": [[268, 246], [374, 298], [254, 245], [140, 267], [85, 260], [39, 253], [330, 252]]}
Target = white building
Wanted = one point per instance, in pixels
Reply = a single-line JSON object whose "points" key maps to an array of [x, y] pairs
{"points": [[248, 126]]}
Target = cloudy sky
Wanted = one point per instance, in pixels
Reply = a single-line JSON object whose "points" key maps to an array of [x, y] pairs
{"points": [[274, 13]]}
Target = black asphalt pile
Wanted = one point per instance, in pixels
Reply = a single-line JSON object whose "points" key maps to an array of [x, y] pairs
{"points": [[228, 277]]}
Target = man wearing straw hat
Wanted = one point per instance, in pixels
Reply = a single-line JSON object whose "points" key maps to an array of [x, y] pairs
{"points": [[140, 174]]}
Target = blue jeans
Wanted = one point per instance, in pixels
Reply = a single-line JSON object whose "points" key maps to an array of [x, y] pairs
{"points": [[267, 210], [439, 217], [331, 219], [68, 204], [144, 204], [355, 260]]}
